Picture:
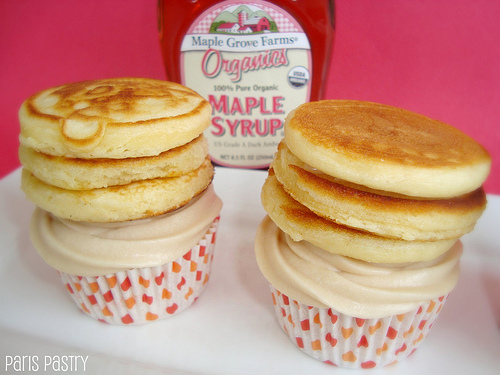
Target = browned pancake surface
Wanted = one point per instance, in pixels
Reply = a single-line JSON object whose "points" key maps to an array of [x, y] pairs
{"points": [[112, 118], [370, 130], [386, 148]]}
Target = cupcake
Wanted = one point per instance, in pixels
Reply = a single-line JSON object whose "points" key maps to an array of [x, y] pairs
{"points": [[125, 208], [366, 204]]}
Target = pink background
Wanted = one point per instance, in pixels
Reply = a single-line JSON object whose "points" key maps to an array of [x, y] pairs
{"points": [[440, 58]]}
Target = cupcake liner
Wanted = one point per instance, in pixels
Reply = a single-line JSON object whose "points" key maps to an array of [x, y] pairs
{"points": [[350, 342], [143, 295]]}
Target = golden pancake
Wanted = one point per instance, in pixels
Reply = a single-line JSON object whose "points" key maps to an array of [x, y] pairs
{"points": [[386, 148], [84, 174], [136, 200], [112, 118], [300, 223], [382, 213]]}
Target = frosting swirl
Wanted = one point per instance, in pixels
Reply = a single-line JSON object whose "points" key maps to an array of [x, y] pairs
{"points": [[92, 249], [319, 278]]}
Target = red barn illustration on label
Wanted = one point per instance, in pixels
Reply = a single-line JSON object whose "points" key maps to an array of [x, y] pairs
{"points": [[243, 21]]}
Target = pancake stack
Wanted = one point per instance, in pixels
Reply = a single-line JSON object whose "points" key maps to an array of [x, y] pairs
{"points": [[126, 211], [374, 182], [366, 204], [114, 150]]}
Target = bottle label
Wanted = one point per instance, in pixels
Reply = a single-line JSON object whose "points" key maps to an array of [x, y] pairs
{"points": [[252, 61]]}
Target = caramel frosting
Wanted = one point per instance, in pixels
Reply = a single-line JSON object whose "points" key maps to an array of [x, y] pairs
{"points": [[92, 249], [357, 288]]}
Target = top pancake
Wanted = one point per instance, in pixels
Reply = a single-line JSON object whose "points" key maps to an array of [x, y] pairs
{"points": [[386, 148], [112, 118]]}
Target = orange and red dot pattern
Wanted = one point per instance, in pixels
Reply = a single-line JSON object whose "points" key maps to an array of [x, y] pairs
{"points": [[350, 342], [143, 295]]}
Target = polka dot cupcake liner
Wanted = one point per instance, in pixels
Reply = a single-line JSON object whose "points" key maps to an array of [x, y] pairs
{"points": [[144, 295], [349, 342]]}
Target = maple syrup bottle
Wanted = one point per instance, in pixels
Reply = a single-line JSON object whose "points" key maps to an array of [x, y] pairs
{"points": [[254, 61]]}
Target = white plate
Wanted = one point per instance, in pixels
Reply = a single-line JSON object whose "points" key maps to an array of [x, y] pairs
{"points": [[231, 329]]}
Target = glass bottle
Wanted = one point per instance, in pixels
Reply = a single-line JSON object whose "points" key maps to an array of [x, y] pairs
{"points": [[254, 61]]}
